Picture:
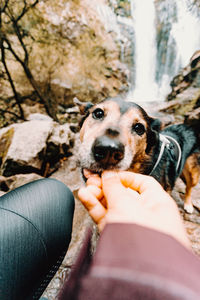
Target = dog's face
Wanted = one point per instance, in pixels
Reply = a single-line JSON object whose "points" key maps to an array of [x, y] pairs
{"points": [[116, 135]]}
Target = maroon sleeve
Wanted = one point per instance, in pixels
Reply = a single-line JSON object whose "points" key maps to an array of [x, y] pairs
{"points": [[134, 262]]}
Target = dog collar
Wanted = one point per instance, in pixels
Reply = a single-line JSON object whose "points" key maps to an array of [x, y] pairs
{"points": [[173, 148]]}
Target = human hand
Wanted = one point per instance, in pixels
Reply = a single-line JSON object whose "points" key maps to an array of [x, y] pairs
{"points": [[126, 197]]}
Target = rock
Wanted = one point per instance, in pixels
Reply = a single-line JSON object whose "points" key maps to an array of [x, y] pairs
{"points": [[188, 77], [29, 146], [83, 55], [183, 104], [185, 94], [12, 182], [26, 147], [191, 221], [32, 108], [58, 146], [193, 117], [184, 99], [6, 135], [38, 117], [59, 134], [157, 110], [69, 173]]}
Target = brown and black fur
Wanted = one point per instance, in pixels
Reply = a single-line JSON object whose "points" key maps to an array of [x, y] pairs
{"points": [[120, 135]]}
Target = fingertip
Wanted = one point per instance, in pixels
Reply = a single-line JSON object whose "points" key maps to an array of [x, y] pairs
{"points": [[81, 193], [94, 180], [109, 174], [94, 207], [109, 179], [139, 182]]}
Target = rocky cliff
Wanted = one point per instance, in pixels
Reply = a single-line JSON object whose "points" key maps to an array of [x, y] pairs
{"points": [[71, 53], [184, 99]]}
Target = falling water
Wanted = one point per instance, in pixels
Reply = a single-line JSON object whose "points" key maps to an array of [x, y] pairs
{"points": [[157, 63], [186, 33], [181, 41], [145, 51], [162, 35]]}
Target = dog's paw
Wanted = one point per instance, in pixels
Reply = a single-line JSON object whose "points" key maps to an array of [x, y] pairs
{"points": [[188, 208]]}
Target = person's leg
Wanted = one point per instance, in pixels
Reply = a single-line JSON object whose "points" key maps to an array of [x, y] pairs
{"points": [[35, 232]]}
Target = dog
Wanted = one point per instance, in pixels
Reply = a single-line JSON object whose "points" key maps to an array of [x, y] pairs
{"points": [[120, 135]]}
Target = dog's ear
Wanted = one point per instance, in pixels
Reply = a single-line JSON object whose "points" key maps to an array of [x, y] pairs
{"points": [[83, 106], [152, 134], [155, 124]]}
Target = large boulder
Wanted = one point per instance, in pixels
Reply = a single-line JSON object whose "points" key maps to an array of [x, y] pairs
{"points": [[33, 145], [15, 181], [73, 53], [188, 78], [184, 99]]}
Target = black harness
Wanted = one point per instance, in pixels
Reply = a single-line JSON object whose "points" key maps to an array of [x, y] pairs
{"points": [[173, 148]]}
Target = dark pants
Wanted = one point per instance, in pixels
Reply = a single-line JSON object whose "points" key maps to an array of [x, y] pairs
{"points": [[35, 232]]}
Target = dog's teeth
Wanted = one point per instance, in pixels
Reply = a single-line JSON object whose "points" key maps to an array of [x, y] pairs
{"points": [[188, 208]]}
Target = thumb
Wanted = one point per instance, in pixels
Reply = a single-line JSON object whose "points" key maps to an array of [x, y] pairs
{"points": [[113, 188]]}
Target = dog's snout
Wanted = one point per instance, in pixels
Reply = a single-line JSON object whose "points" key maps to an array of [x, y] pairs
{"points": [[108, 151], [112, 132]]}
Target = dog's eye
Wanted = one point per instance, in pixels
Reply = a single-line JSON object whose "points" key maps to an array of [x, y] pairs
{"points": [[98, 114], [139, 128]]}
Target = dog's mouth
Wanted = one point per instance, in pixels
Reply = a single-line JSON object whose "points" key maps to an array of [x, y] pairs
{"points": [[89, 173]]}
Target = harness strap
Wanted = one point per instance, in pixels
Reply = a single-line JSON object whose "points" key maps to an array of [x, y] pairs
{"points": [[177, 150], [169, 143]]}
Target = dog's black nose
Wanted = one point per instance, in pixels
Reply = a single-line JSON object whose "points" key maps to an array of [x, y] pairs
{"points": [[108, 151]]}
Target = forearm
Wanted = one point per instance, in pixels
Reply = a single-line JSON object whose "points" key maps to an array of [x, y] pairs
{"points": [[132, 260]]}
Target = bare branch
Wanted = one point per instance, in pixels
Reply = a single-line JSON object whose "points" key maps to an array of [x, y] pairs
{"points": [[9, 47], [23, 12], [23, 60], [4, 6], [26, 9], [30, 77], [3, 111], [10, 79], [20, 38]]}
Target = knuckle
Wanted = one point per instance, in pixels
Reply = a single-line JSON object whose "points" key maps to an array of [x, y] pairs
{"points": [[82, 192]]}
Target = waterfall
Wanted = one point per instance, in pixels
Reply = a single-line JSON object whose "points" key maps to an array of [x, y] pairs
{"points": [[145, 50], [186, 33], [159, 58], [179, 39], [162, 36]]}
